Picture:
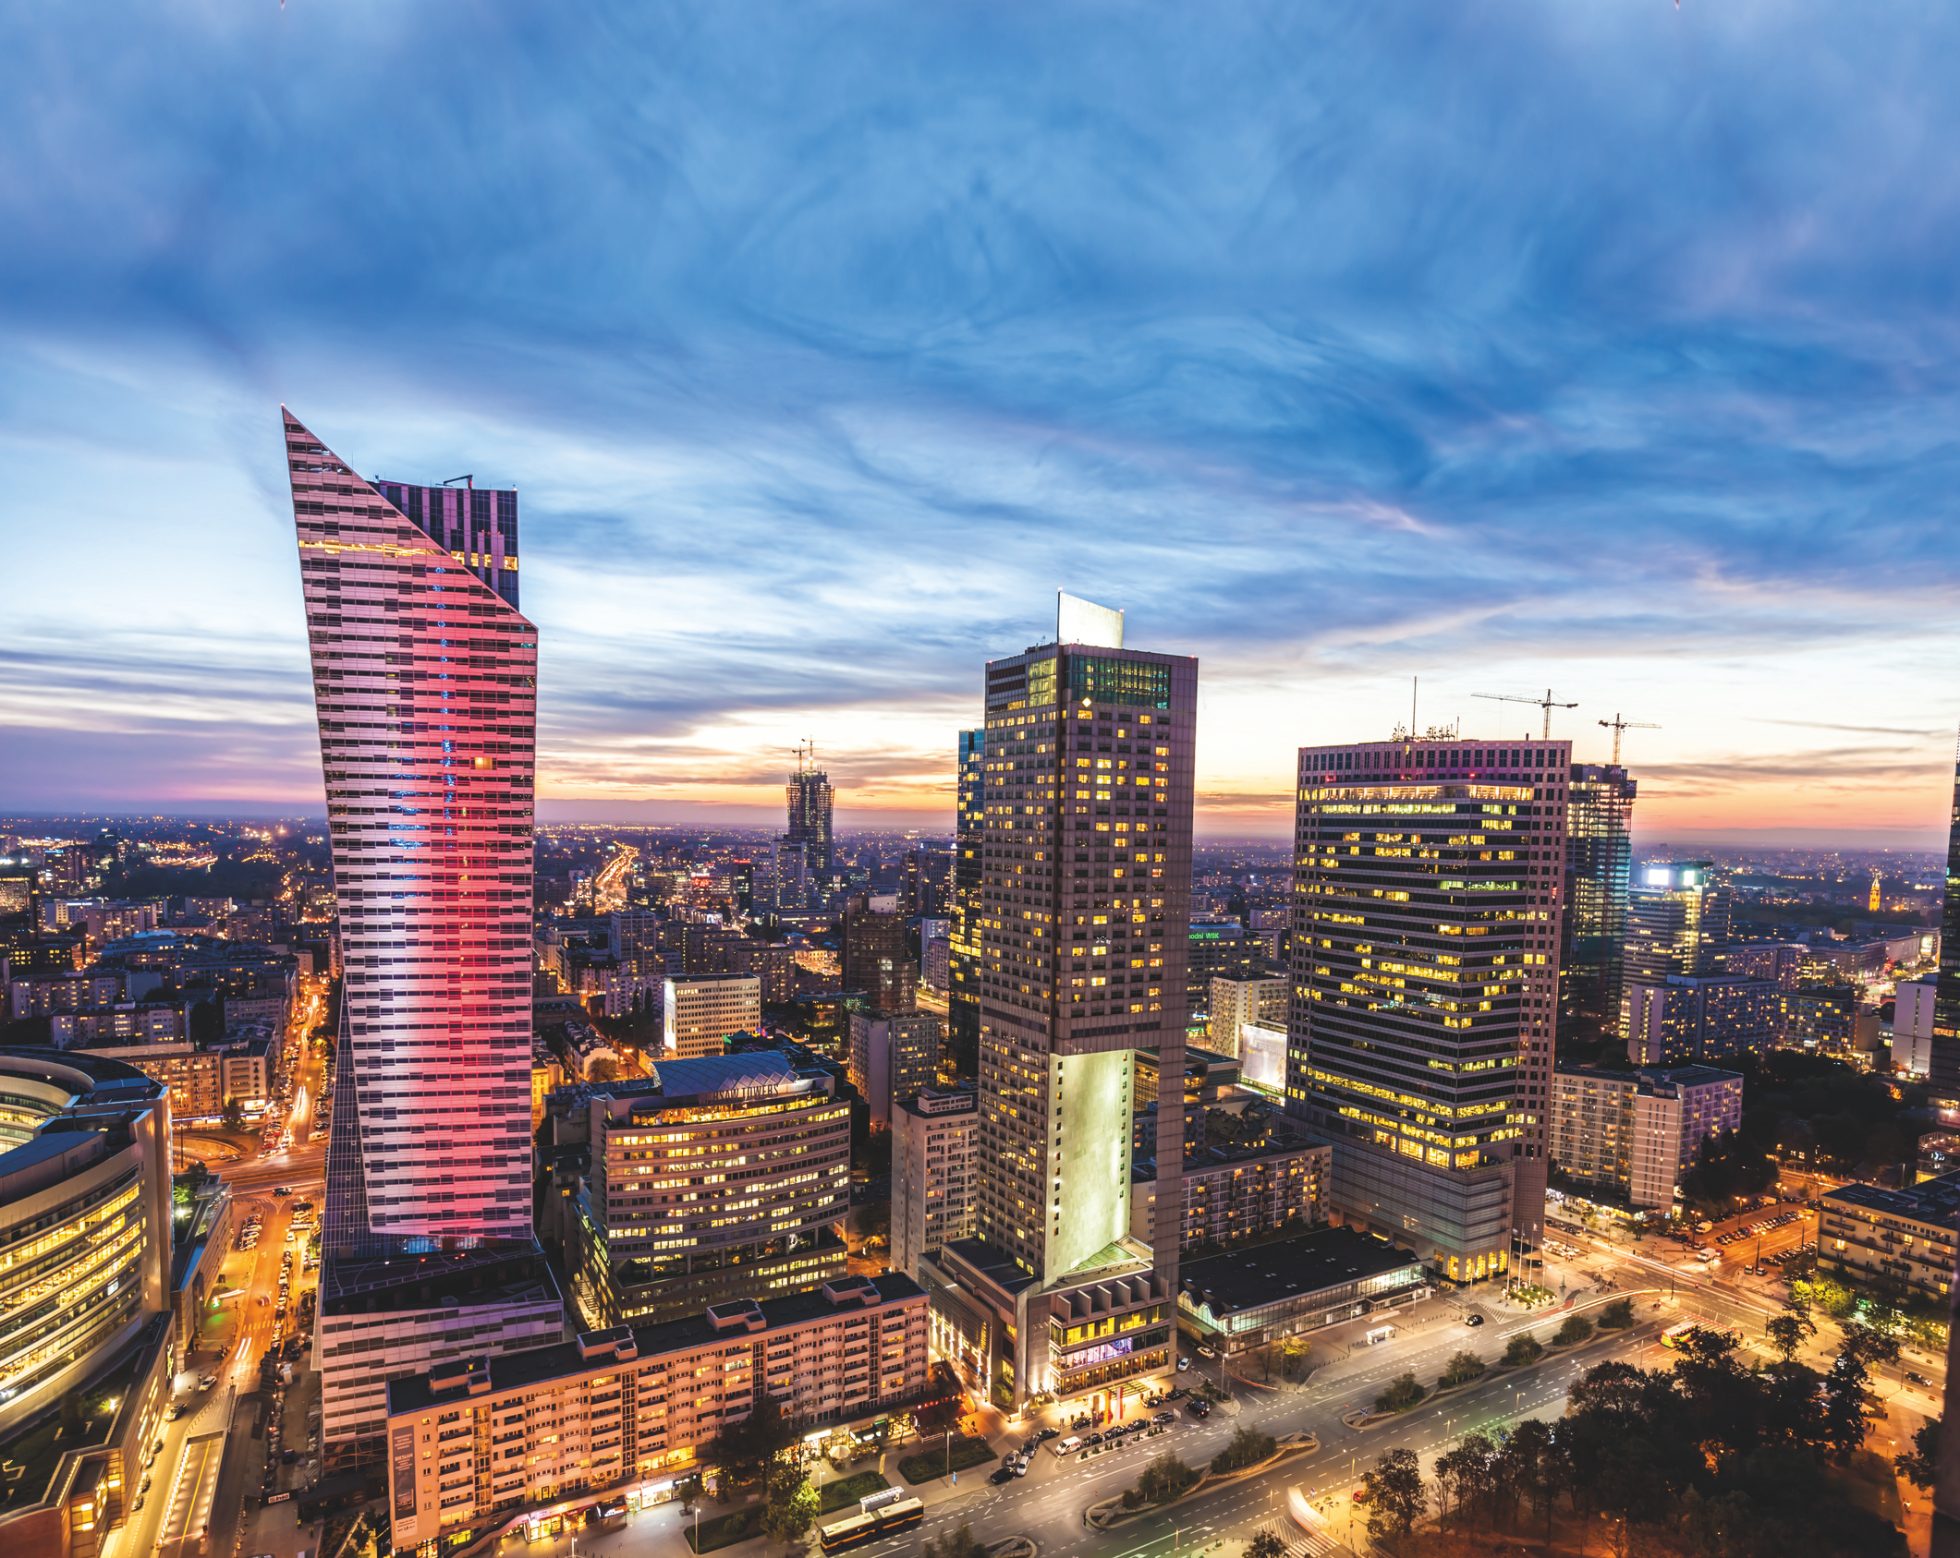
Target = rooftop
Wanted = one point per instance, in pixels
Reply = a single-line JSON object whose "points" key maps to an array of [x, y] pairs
{"points": [[536, 1365], [1288, 1268], [1934, 1201]]}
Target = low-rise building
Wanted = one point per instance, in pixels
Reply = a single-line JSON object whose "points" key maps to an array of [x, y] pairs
{"points": [[203, 1078], [621, 1407], [1904, 1238], [1267, 1292], [1632, 1134], [934, 1138], [700, 1011]]}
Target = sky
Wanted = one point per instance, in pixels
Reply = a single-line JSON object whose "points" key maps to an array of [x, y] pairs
{"points": [[1608, 348]]}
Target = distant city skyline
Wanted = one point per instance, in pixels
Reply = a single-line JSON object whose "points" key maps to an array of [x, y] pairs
{"points": [[818, 374]]}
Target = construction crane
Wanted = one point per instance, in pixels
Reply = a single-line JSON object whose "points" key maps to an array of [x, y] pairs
{"points": [[1616, 725], [1547, 703]]}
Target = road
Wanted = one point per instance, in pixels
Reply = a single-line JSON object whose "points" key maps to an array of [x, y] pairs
{"points": [[609, 886], [197, 1477]]}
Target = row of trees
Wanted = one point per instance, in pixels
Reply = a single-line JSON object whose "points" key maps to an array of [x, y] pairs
{"points": [[1406, 1391], [1707, 1458]]}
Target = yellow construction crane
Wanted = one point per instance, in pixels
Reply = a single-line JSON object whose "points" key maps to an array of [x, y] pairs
{"points": [[1616, 725], [1547, 703]]}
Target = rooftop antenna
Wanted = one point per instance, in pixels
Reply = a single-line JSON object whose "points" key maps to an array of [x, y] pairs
{"points": [[1616, 724], [1547, 703], [469, 479]]}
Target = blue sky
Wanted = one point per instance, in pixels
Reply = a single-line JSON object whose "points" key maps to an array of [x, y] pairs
{"points": [[1604, 346]]}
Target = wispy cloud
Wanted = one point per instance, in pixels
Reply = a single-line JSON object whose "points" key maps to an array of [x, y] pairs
{"points": [[1606, 347]]}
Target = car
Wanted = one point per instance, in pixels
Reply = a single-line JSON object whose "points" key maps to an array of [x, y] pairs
{"points": [[1183, 1364], [1473, 1319], [1913, 1376], [177, 1410], [1019, 1468], [1206, 1350], [1162, 1419], [282, 1190], [1001, 1474], [1176, 1395], [206, 1381], [1200, 1408], [139, 1504], [1068, 1446], [1045, 1434]]}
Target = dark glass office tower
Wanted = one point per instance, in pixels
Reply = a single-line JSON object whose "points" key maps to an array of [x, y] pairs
{"points": [[1945, 1067], [1598, 863]]}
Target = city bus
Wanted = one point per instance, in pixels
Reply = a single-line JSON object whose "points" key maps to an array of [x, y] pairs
{"points": [[872, 1525], [1677, 1335]]}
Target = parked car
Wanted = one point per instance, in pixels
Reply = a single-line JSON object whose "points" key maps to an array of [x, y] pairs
{"points": [[1200, 1408], [1164, 1417], [1001, 1474], [1183, 1364]]}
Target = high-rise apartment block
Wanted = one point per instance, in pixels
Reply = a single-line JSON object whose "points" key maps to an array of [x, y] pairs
{"points": [[934, 1137], [1425, 964], [1598, 873], [1682, 1018], [713, 1179], [1239, 999], [699, 1012], [893, 1057], [1943, 1072], [878, 963], [1084, 914], [425, 681], [1633, 1134]]}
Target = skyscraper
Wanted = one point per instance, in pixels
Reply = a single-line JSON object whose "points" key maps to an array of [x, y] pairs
{"points": [[1944, 1076], [1677, 923], [963, 958], [1425, 984], [1598, 862], [1084, 911], [425, 682], [809, 795]]}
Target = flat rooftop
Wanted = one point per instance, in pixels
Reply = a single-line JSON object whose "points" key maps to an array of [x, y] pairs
{"points": [[1935, 1201], [1311, 1262], [536, 1365]]}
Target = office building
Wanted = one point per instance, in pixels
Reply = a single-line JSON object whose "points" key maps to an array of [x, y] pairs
{"points": [[934, 1142], [963, 937], [1598, 867], [809, 795], [425, 682], [1220, 949], [1914, 1013], [1084, 935], [628, 1410], [878, 965], [1425, 964], [1633, 1134], [893, 1057], [1677, 922], [1893, 1238], [202, 1079], [1242, 1299], [1944, 1073], [1824, 1019], [1238, 999], [1682, 1019], [699, 1012], [714, 1178], [85, 1221]]}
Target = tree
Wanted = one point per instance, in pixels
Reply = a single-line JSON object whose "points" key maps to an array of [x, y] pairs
{"points": [[791, 1507], [955, 1544], [1522, 1349], [1265, 1544], [1921, 1463], [1577, 1329], [605, 1068], [1467, 1473], [233, 1115], [1403, 1392], [1247, 1447], [1616, 1316], [1536, 1467], [744, 1450], [1164, 1479], [1789, 1331], [1293, 1353], [1396, 1497], [1462, 1369]]}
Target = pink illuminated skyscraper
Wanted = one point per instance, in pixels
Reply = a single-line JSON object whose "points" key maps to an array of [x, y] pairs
{"points": [[425, 682]]}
